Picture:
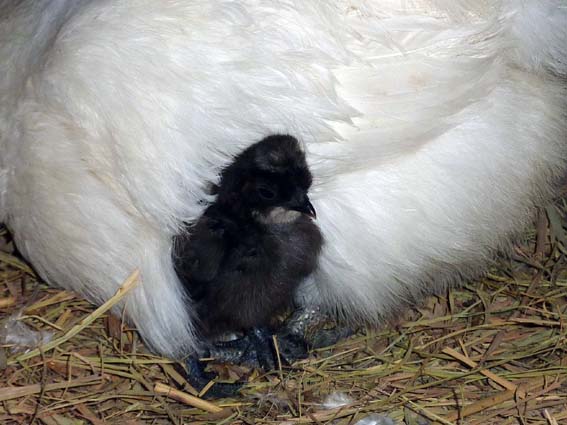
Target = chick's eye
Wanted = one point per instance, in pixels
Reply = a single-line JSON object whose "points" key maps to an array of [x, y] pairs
{"points": [[266, 193]]}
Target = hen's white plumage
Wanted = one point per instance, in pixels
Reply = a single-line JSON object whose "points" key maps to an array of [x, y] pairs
{"points": [[432, 129]]}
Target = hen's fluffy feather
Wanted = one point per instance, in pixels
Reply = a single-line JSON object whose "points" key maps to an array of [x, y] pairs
{"points": [[432, 128]]}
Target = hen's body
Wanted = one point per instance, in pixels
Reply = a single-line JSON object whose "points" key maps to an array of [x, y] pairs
{"points": [[433, 129]]}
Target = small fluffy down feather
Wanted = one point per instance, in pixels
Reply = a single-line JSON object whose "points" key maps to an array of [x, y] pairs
{"points": [[432, 128]]}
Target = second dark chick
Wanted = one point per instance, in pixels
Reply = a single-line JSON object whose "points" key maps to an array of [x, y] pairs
{"points": [[243, 259]]}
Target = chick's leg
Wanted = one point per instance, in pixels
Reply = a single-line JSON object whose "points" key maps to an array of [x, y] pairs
{"points": [[300, 332]]}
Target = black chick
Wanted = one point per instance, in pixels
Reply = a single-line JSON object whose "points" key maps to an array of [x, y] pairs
{"points": [[243, 259]]}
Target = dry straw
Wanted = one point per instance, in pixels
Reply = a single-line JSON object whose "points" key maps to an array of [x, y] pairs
{"points": [[490, 352]]}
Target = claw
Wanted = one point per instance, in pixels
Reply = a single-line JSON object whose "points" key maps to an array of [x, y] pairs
{"points": [[264, 348], [199, 378]]}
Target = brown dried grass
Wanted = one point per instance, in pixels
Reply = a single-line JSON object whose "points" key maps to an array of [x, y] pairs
{"points": [[491, 352]]}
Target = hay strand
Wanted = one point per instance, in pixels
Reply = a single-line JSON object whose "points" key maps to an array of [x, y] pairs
{"points": [[188, 399], [126, 287]]}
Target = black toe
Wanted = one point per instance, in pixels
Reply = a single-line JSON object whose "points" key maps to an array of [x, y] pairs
{"points": [[199, 378], [264, 348]]}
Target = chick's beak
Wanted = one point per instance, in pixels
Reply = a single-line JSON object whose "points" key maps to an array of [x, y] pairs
{"points": [[305, 207]]}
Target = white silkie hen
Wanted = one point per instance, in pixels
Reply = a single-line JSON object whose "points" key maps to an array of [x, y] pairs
{"points": [[432, 129]]}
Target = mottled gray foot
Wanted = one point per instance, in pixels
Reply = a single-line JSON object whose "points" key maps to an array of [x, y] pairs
{"points": [[256, 348], [307, 324], [299, 333]]}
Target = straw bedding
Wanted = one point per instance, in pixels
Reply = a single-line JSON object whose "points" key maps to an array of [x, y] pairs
{"points": [[491, 352]]}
